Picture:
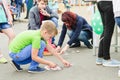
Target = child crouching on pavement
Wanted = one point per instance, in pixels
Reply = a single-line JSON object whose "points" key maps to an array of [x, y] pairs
{"points": [[28, 47]]}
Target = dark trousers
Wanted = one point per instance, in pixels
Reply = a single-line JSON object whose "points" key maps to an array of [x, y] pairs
{"points": [[106, 11]]}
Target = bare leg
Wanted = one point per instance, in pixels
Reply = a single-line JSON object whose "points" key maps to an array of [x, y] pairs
{"points": [[10, 33]]}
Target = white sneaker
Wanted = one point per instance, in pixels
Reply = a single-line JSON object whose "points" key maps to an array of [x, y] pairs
{"points": [[111, 63], [3, 60], [99, 61]]}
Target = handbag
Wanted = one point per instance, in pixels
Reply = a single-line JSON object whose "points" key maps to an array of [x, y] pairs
{"points": [[3, 17]]}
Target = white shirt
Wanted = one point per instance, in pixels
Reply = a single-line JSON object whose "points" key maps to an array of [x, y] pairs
{"points": [[116, 8]]}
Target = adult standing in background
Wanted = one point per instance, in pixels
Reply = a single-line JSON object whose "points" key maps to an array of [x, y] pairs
{"points": [[106, 10], [5, 22], [29, 4], [18, 6], [116, 10]]}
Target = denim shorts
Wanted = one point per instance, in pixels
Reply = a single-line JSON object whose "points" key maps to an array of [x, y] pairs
{"points": [[4, 26]]}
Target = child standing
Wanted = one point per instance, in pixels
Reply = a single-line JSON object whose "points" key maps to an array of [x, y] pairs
{"points": [[28, 47], [5, 22]]}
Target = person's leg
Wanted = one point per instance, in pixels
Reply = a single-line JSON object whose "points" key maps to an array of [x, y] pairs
{"points": [[55, 20], [109, 22], [35, 64], [117, 20], [27, 13], [70, 33], [19, 11], [106, 8], [84, 37], [7, 30], [100, 50], [29, 6], [76, 43], [22, 56]]}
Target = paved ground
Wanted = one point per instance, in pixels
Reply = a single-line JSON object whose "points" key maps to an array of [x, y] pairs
{"points": [[84, 67]]}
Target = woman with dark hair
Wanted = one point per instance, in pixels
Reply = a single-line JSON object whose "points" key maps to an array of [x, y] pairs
{"points": [[77, 29]]}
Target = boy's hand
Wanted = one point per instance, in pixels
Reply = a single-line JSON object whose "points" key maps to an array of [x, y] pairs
{"points": [[52, 65], [66, 63], [44, 12]]}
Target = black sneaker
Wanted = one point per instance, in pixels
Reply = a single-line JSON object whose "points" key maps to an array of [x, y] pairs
{"points": [[37, 70], [16, 66], [90, 46], [26, 18], [75, 45]]}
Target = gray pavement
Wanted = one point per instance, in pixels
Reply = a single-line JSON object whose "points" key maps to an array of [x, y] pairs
{"points": [[84, 67]]}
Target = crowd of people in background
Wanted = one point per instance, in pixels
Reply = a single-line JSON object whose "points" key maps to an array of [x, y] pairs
{"points": [[42, 13]]}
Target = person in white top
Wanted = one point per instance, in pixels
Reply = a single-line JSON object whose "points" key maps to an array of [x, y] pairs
{"points": [[105, 8], [116, 10]]}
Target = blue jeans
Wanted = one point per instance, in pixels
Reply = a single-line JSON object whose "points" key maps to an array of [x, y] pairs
{"points": [[18, 11], [84, 37], [55, 20], [117, 20], [24, 56], [4, 26]]}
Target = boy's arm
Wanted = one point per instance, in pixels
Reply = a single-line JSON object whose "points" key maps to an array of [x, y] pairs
{"points": [[36, 58], [54, 52]]}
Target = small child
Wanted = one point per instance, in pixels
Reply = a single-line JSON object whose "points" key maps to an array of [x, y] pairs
{"points": [[28, 47]]}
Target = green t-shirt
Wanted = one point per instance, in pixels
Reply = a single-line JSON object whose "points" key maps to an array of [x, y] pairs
{"points": [[25, 38]]}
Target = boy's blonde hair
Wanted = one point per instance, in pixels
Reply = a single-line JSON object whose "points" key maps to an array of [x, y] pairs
{"points": [[49, 26]]}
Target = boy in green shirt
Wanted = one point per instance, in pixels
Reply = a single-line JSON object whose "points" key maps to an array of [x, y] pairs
{"points": [[28, 47]]}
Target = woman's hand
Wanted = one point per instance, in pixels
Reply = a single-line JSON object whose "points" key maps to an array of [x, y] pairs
{"points": [[64, 49]]}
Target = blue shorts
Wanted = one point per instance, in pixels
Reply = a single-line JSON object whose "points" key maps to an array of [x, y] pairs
{"points": [[4, 26]]}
